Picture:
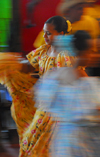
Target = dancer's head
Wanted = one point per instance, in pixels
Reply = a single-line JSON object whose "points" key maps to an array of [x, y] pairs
{"points": [[82, 43], [55, 25]]}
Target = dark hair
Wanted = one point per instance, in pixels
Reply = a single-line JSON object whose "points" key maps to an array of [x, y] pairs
{"points": [[59, 23], [80, 40]]}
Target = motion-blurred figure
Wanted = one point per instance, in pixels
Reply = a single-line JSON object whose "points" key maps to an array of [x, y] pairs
{"points": [[33, 126], [74, 100], [74, 11]]}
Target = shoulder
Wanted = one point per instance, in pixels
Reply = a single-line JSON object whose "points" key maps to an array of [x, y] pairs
{"points": [[38, 50], [42, 47]]}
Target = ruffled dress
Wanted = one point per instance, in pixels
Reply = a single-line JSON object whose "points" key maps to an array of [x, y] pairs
{"points": [[36, 139], [35, 127]]}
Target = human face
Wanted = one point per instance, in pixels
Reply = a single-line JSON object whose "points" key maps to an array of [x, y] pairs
{"points": [[49, 33]]}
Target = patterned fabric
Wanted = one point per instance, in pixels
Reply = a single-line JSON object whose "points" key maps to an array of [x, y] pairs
{"points": [[39, 59], [18, 85], [35, 127], [36, 139], [76, 106]]}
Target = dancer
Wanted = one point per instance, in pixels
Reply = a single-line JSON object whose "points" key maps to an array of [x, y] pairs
{"points": [[45, 58], [74, 100], [32, 129]]}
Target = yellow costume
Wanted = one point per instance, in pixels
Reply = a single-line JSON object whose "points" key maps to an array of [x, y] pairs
{"points": [[18, 85], [36, 139], [34, 127], [39, 59]]}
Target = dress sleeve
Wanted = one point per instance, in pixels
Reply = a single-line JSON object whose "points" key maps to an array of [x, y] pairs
{"points": [[33, 58], [35, 55]]}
